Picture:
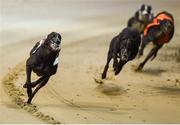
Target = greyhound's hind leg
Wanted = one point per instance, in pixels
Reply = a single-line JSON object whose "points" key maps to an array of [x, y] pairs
{"points": [[35, 83], [152, 53], [43, 82]]}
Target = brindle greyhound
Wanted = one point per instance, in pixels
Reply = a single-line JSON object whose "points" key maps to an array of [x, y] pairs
{"points": [[123, 48], [159, 32]]}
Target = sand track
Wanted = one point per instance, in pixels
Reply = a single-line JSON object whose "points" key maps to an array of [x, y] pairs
{"points": [[75, 89], [76, 94], [16, 95]]}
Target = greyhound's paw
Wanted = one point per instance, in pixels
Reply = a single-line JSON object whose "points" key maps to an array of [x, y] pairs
{"points": [[139, 69], [29, 102], [116, 73], [99, 81], [103, 76], [115, 68], [29, 99], [25, 85]]}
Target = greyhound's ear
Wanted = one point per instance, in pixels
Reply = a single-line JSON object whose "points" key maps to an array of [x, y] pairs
{"points": [[48, 38], [51, 34], [142, 7], [137, 14], [150, 8], [59, 36]]}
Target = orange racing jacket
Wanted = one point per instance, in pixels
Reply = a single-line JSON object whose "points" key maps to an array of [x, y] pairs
{"points": [[156, 22]]}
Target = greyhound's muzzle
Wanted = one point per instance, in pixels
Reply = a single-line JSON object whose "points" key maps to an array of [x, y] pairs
{"points": [[55, 43], [55, 46]]}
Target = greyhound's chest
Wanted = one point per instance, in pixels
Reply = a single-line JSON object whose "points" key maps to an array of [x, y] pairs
{"points": [[139, 26], [47, 57]]}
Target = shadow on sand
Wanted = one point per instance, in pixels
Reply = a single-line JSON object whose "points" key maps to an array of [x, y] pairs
{"points": [[154, 72], [110, 89], [166, 90]]}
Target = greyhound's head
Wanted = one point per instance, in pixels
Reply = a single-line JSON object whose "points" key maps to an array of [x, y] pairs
{"points": [[54, 41], [145, 13]]}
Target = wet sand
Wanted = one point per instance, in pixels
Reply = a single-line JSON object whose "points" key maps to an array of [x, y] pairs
{"points": [[73, 95]]}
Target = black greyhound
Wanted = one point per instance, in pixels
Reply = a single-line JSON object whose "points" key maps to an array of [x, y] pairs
{"points": [[43, 61], [123, 48], [141, 18], [159, 32]]}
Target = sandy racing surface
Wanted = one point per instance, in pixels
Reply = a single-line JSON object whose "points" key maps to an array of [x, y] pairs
{"points": [[73, 95]]}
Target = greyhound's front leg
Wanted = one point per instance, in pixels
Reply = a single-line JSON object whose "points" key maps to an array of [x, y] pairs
{"points": [[28, 80], [119, 67], [107, 65]]}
